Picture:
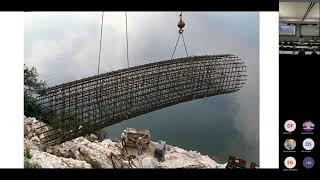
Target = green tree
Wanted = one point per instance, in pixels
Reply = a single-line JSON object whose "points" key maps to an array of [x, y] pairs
{"points": [[32, 87]]}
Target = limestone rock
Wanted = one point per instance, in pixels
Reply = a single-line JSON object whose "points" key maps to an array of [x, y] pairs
{"points": [[92, 137], [83, 149], [33, 128], [149, 162], [88, 152], [35, 139], [25, 130], [46, 160], [180, 158]]}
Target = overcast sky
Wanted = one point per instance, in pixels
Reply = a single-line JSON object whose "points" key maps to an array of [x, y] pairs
{"points": [[65, 46]]}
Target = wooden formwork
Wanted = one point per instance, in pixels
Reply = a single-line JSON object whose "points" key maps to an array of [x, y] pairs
{"points": [[83, 106]]}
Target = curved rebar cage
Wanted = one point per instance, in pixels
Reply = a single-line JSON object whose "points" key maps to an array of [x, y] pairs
{"points": [[83, 106]]}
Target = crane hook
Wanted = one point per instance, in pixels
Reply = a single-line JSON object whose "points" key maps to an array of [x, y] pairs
{"points": [[181, 24]]}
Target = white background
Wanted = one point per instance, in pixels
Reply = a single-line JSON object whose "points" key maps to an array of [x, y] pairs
{"points": [[269, 90], [11, 90]]}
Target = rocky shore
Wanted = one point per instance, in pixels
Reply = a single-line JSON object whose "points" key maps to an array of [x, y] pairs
{"points": [[90, 152]]}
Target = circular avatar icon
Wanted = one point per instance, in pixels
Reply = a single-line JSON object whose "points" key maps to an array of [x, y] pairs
{"points": [[308, 126], [290, 162], [290, 144], [308, 162], [290, 125], [308, 144]]}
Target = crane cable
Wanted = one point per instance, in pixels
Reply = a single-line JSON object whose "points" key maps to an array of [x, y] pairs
{"points": [[100, 42], [181, 25], [127, 39], [175, 47], [185, 47]]}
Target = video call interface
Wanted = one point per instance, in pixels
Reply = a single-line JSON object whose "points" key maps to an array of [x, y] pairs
{"points": [[299, 55], [171, 90]]}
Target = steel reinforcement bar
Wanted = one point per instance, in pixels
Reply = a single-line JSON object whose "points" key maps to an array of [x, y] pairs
{"points": [[83, 106]]}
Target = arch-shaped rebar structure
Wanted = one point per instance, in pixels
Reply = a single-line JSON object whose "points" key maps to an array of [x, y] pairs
{"points": [[83, 106]]}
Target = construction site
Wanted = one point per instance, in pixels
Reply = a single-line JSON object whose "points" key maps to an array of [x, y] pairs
{"points": [[72, 112]]}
